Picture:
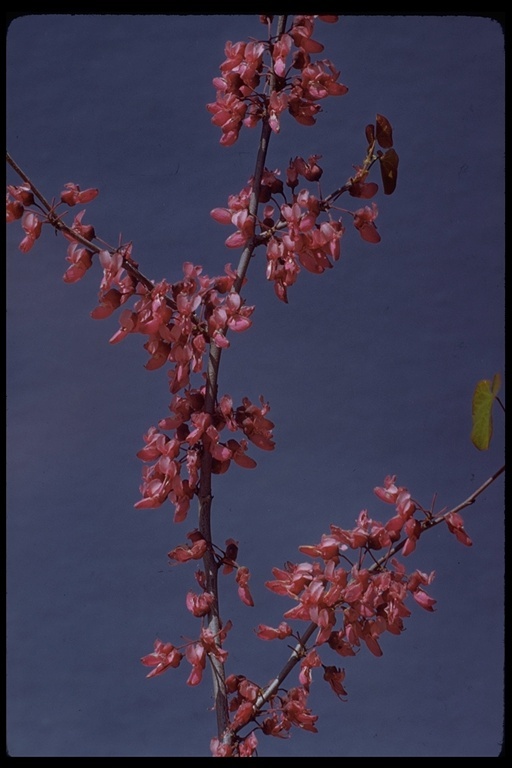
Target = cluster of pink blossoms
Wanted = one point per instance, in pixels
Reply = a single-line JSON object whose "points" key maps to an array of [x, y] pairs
{"points": [[195, 430], [366, 600], [238, 102], [294, 233], [349, 603], [179, 321]]}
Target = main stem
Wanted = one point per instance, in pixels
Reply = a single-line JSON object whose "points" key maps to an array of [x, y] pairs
{"points": [[205, 483]]}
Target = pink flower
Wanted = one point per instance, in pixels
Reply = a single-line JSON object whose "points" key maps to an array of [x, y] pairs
{"points": [[73, 195], [328, 549], [228, 113], [13, 209], [109, 302], [242, 579], [252, 420], [265, 632], [22, 194], [32, 226], [211, 642], [248, 746], [339, 644], [196, 656], [243, 714], [245, 223], [230, 555], [292, 579], [278, 102], [199, 605], [81, 261], [164, 656], [195, 551], [424, 600], [412, 530], [239, 455], [295, 710], [318, 80], [364, 222], [335, 677], [311, 660], [218, 749], [455, 525], [301, 32], [84, 230], [389, 492], [280, 51]]}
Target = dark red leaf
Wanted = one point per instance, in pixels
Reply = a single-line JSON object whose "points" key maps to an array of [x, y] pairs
{"points": [[384, 132], [389, 170]]}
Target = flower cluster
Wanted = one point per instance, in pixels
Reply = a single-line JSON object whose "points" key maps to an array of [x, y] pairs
{"points": [[166, 655], [351, 603], [305, 241], [296, 233], [238, 102], [18, 202], [180, 319], [347, 602], [195, 430], [179, 322], [285, 709]]}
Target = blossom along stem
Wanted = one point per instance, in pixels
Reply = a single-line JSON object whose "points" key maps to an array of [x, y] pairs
{"points": [[56, 222], [205, 486], [299, 650], [431, 522]]}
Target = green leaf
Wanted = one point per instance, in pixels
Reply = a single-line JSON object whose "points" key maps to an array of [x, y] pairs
{"points": [[483, 398]]}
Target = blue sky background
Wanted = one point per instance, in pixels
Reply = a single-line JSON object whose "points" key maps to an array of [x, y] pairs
{"points": [[369, 371]]}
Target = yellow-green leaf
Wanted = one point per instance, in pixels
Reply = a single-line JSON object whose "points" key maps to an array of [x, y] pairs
{"points": [[483, 398]]}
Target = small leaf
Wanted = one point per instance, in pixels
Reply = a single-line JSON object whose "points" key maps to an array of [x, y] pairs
{"points": [[483, 398], [384, 132], [389, 170]]}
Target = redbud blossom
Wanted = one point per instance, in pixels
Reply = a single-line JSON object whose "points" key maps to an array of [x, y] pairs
{"points": [[195, 551], [265, 632], [32, 226], [13, 209], [218, 749], [247, 747], [196, 655], [73, 195], [295, 710], [164, 656], [199, 605], [335, 677], [455, 525], [23, 194], [242, 578], [364, 222], [81, 261], [424, 600]]}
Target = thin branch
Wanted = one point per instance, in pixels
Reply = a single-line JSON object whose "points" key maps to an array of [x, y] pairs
{"points": [[57, 223]]}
